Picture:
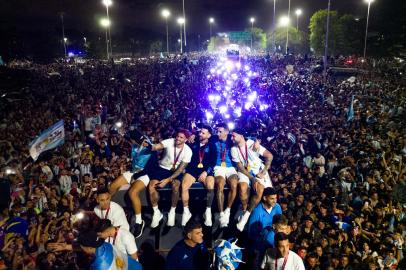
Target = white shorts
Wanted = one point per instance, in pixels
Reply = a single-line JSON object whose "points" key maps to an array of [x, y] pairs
{"points": [[128, 176], [225, 172], [266, 181]]}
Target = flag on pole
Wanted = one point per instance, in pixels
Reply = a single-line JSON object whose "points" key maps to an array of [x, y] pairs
{"points": [[48, 139], [350, 114]]}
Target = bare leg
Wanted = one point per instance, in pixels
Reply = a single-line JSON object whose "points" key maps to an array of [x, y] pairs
{"points": [[257, 197], [244, 195], [232, 182], [153, 193], [220, 181], [175, 192], [134, 194], [117, 184], [187, 182]]}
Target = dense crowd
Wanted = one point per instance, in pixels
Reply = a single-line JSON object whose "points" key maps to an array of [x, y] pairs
{"points": [[339, 180]]}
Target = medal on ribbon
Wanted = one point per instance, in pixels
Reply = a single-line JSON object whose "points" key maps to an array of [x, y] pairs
{"points": [[201, 156]]}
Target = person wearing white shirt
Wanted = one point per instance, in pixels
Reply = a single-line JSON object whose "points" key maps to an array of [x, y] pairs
{"points": [[119, 237], [65, 182], [177, 155], [280, 257], [252, 172], [106, 209], [175, 159]]}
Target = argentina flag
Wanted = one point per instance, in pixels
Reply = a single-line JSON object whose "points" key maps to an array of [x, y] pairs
{"points": [[110, 258], [350, 114], [48, 139]]}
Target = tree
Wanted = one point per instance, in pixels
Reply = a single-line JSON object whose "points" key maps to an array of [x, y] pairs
{"points": [[258, 38], [317, 28], [155, 47], [297, 40], [345, 33], [351, 35]]}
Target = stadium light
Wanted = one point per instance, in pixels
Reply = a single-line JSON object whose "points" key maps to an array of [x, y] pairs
{"points": [[298, 12], [166, 13], [366, 27]]}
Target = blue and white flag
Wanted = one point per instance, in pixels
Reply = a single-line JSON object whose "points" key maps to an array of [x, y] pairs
{"points": [[110, 258], [48, 139], [227, 255], [292, 137], [350, 114]]}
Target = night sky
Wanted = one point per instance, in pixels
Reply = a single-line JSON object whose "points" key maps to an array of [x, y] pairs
{"points": [[144, 15]]}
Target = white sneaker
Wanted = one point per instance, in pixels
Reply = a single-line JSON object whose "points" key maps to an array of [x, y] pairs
{"points": [[156, 218], [171, 218], [243, 221], [185, 217], [207, 218], [224, 219]]}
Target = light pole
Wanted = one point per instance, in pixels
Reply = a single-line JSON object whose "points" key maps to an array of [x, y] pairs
{"points": [[106, 23], [181, 22], [65, 41], [326, 44], [63, 35], [366, 28], [252, 20], [166, 13], [184, 20], [108, 3], [284, 21], [287, 31], [298, 12], [273, 26], [211, 21]]}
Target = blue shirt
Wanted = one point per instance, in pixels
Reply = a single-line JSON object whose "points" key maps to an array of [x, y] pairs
{"points": [[223, 146], [259, 220], [140, 157]]}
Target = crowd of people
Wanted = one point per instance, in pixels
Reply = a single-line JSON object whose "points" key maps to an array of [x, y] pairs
{"points": [[319, 172]]}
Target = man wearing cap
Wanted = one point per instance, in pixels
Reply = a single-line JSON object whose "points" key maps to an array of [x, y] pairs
{"points": [[224, 171], [251, 172], [200, 169], [106, 256]]}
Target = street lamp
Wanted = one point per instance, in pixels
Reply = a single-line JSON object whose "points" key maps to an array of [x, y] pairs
{"points": [[181, 22], [108, 3], [211, 21], [184, 21], [287, 31], [252, 20], [104, 22], [273, 26], [325, 62], [63, 35], [166, 13], [366, 28], [298, 12], [284, 21]]}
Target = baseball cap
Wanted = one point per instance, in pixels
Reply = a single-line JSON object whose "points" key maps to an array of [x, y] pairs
{"points": [[90, 239]]}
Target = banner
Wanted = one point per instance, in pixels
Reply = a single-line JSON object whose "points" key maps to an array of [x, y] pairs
{"points": [[350, 114], [48, 139], [109, 257]]}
